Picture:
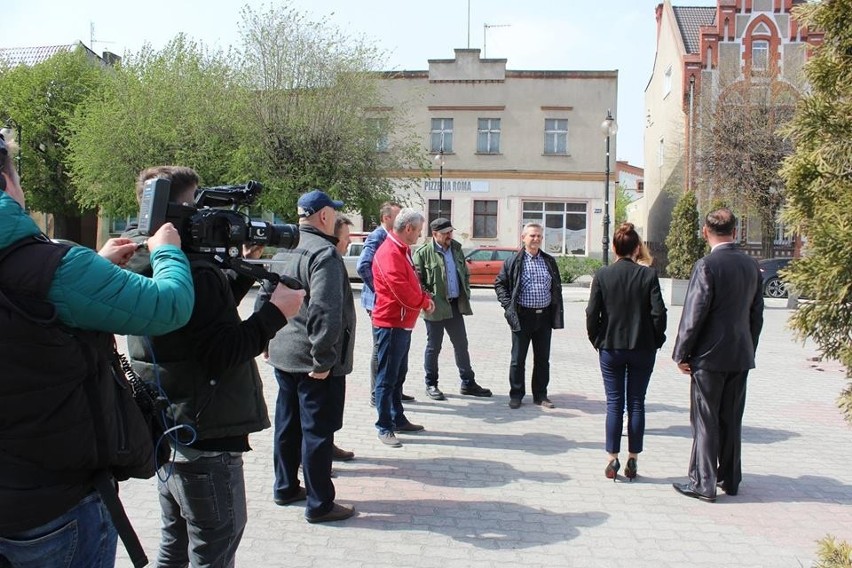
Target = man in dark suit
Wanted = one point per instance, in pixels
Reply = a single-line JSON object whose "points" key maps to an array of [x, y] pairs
{"points": [[716, 340]]}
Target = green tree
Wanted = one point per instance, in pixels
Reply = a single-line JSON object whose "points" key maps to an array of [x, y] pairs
{"points": [[42, 99], [180, 105], [622, 200], [684, 244], [819, 188], [318, 113]]}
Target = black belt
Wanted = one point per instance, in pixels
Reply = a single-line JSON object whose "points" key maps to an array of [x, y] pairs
{"points": [[533, 310]]}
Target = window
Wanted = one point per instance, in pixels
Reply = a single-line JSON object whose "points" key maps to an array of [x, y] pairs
{"points": [[481, 255], [445, 212], [759, 55], [485, 219], [442, 135], [556, 136], [667, 82], [119, 225], [488, 136], [565, 225], [378, 129]]}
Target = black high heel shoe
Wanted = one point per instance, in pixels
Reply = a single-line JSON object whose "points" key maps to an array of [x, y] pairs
{"points": [[611, 470], [630, 469]]}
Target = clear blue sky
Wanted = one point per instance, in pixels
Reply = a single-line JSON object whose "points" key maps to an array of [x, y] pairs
{"points": [[542, 34]]}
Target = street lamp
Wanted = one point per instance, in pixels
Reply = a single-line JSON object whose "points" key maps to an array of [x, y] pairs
{"points": [[6, 131], [439, 157], [609, 127]]}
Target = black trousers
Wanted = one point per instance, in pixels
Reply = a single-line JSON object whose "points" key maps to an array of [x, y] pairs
{"points": [[307, 414], [536, 328], [716, 415]]}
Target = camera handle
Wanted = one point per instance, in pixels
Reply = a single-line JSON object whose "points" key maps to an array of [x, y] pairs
{"points": [[256, 271]]}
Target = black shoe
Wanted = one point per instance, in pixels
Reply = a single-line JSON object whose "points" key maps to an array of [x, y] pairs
{"points": [[724, 487], [611, 469], [514, 403], [544, 403], [631, 469], [299, 495], [337, 513], [433, 392], [406, 397], [473, 389], [408, 427], [686, 489]]}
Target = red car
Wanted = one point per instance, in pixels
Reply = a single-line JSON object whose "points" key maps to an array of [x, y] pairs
{"points": [[485, 263]]}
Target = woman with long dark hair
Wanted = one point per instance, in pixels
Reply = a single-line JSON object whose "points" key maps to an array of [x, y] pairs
{"points": [[626, 323]]}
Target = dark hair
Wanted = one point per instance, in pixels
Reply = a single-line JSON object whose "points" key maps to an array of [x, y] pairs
{"points": [[339, 222], [626, 240], [721, 222], [181, 177], [386, 210]]}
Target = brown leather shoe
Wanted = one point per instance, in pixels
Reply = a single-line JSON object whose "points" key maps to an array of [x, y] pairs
{"points": [[299, 495], [339, 454], [337, 513]]}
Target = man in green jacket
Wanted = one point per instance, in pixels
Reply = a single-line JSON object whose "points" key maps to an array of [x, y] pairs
{"points": [[444, 274]]}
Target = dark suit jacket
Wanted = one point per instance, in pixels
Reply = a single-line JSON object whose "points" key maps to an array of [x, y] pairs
{"points": [[723, 312], [626, 309]]}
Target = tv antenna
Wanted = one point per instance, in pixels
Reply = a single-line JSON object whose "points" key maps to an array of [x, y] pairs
{"points": [[485, 28], [92, 40]]}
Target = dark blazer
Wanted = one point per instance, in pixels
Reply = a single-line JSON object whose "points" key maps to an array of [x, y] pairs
{"points": [[626, 309], [507, 286], [723, 312]]}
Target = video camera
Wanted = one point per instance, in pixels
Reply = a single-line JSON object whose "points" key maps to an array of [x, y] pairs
{"points": [[209, 227]]}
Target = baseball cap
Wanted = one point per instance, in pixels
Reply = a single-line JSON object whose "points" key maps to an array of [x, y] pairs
{"points": [[313, 201]]}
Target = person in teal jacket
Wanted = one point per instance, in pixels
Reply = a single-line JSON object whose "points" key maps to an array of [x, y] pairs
{"points": [[41, 520]]}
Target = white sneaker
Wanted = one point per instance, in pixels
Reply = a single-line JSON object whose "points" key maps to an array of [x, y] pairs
{"points": [[389, 439]]}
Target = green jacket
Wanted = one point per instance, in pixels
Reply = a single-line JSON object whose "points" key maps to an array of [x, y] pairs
{"points": [[433, 275]]}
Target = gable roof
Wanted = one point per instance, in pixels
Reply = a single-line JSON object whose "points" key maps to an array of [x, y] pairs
{"points": [[15, 56], [689, 21]]}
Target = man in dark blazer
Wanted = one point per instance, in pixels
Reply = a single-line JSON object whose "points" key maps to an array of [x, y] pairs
{"points": [[716, 340]]}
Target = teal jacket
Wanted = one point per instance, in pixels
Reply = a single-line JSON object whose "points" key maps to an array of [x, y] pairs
{"points": [[91, 293], [433, 275]]}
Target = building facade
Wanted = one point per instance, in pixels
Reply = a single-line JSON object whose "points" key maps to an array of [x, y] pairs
{"points": [[508, 148], [702, 52]]}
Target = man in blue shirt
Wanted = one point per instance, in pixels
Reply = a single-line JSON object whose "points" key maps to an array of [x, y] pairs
{"points": [[444, 274], [387, 214]]}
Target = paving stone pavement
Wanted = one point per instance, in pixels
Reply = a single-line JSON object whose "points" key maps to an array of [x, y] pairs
{"points": [[486, 486]]}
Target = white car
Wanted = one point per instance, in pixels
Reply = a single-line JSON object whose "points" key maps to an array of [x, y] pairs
{"points": [[350, 259]]}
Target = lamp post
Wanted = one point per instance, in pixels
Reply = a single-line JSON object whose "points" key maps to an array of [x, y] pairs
{"points": [[609, 127], [439, 157], [11, 124]]}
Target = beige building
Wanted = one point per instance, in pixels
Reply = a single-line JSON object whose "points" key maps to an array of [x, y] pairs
{"points": [[510, 147], [702, 52]]}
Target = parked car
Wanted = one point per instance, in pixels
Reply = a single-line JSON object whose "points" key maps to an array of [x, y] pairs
{"points": [[773, 285], [485, 263], [350, 259]]}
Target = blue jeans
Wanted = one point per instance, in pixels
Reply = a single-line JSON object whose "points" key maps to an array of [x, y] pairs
{"points": [[83, 537], [626, 371], [307, 414], [392, 345], [203, 505], [454, 327]]}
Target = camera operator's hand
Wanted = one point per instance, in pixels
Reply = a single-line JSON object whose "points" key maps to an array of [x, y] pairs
{"points": [[287, 300], [165, 235], [118, 251], [319, 375], [252, 252]]}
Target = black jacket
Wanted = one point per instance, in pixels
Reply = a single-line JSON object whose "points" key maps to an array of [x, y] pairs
{"points": [[507, 285], [207, 367], [723, 312], [626, 309]]}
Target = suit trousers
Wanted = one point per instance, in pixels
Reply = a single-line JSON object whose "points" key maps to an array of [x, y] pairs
{"points": [[307, 414], [536, 328], [454, 327], [716, 415]]}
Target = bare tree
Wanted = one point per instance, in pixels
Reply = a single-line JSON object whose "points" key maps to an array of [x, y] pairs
{"points": [[739, 149]]}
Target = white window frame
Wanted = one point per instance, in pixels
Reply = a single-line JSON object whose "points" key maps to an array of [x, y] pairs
{"points": [[555, 129], [488, 136], [760, 62], [441, 138]]}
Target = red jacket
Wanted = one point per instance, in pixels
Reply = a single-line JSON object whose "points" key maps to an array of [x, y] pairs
{"points": [[399, 295]]}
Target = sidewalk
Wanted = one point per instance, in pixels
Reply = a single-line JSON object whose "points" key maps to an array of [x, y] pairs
{"points": [[485, 485]]}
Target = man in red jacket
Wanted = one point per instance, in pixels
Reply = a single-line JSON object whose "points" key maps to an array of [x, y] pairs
{"points": [[399, 299]]}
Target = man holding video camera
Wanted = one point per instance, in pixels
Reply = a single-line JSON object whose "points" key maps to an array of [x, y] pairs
{"points": [[208, 372]]}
